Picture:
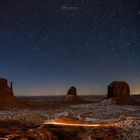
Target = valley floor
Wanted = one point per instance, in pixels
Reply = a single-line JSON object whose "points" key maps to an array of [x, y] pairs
{"points": [[31, 123]]}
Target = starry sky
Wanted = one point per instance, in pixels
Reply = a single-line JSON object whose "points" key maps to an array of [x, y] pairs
{"points": [[46, 46]]}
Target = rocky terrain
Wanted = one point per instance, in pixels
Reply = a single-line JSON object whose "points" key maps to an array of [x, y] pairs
{"points": [[30, 123], [113, 118]]}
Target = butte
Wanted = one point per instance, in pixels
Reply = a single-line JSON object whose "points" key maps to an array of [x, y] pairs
{"points": [[7, 98], [120, 92], [72, 96]]}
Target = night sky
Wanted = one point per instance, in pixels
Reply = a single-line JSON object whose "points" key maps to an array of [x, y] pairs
{"points": [[46, 46]]}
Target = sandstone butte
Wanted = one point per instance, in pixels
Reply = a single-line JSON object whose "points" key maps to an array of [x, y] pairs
{"points": [[7, 98]]}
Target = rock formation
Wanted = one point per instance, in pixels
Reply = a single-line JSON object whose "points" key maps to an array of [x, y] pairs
{"points": [[72, 91], [119, 92], [7, 98], [71, 96], [5, 90], [118, 89]]}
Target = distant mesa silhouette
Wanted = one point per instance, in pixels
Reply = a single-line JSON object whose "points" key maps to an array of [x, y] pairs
{"points": [[118, 89], [5, 90], [71, 96], [72, 91], [7, 98]]}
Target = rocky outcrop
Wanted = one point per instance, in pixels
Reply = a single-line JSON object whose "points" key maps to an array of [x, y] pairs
{"points": [[118, 89], [71, 96], [5, 90], [7, 98], [119, 92], [72, 91]]}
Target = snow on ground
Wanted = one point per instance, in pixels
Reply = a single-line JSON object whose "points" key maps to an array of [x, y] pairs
{"points": [[88, 112], [125, 117], [130, 128]]}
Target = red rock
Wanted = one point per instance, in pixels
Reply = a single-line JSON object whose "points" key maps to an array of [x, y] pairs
{"points": [[72, 91], [5, 90], [71, 96], [118, 89], [120, 92], [7, 98]]}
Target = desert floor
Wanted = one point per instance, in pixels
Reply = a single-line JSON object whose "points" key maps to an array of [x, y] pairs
{"points": [[43, 120]]}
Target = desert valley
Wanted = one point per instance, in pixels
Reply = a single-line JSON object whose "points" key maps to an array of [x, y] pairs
{"points": [[71, 117]]}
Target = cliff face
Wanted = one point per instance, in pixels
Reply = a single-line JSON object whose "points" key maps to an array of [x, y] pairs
{"points": [[7, 98], [71, 96], [120, 92], [72, 91], [5, 90], [118, 89]]}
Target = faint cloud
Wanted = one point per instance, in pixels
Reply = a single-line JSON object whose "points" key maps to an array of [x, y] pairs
{"points": [[69, 8]]}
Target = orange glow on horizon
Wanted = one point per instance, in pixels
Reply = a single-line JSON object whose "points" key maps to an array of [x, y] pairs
{"points": [[135, 92]]}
